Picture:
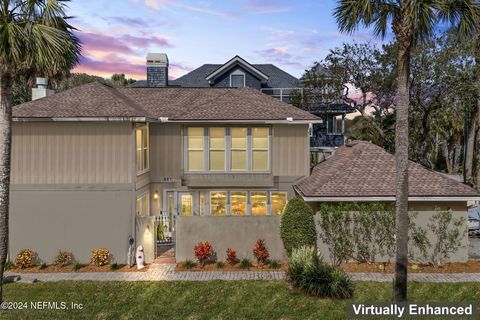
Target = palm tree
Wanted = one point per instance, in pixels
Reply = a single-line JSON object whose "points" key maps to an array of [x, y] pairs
{"points": [[411, 21], [35, 39]]}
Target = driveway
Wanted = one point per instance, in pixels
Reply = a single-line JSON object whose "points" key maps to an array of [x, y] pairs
{"points": [[474, 248]]}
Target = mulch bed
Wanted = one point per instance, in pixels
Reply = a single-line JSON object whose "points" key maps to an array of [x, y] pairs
{"points": [[68, 269], [229, 267], [472, 266]]}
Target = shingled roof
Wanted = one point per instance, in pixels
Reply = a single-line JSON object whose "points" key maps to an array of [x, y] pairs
{"points": [[277, 78], [362, 170], [181, 104]]}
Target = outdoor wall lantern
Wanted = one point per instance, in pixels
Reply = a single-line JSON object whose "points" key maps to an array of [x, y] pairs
{"points": [[155, 195]]}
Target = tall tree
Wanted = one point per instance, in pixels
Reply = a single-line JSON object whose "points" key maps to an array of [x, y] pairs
{"points": [[411, 21], [35, 40]]}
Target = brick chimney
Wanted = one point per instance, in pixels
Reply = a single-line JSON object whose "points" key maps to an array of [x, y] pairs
{"points": [[41, 90], [157, 70]]}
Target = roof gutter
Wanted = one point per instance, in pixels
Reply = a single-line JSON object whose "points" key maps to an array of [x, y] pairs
{"points": [[385, 198], [243, 121], [82, 119]]}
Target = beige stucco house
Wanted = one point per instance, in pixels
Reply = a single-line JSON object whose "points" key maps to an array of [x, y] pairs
{"points": [[94, 165]]}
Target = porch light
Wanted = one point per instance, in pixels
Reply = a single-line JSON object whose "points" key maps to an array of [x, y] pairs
{"points": [[155, 195]]}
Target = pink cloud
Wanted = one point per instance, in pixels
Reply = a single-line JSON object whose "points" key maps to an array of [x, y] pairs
{"points": [[101, 42], [107, 68], [279, 55]]}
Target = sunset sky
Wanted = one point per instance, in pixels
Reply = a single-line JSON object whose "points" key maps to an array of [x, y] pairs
{"points": [[117, 35]]}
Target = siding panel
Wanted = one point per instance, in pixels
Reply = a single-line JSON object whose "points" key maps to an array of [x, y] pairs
{"points": [[72, 153], [165, 151], [290, 154]]}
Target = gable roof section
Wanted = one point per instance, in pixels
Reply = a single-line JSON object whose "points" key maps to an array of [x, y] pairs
{"points": [[89, 100], [97, 100], [363, 171], [237, 60], [277, 78]]}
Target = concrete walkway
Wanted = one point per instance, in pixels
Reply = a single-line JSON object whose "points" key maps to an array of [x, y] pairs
{"points": [[166, 272]]}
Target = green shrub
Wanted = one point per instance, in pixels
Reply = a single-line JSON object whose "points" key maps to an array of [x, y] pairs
{"points": [[9, 265], [274, 264], [448, 233], [114, 266], [63, 258], [43, 266], [220, 265], [77, 266], [307, 272], [188, 264], [245, 264], [298, 226]]}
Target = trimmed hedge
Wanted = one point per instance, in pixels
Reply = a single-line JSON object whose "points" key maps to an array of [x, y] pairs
{"points": [[297, 227]]}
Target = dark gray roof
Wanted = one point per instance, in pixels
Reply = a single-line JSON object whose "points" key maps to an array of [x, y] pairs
{"points": [[277, 78]]}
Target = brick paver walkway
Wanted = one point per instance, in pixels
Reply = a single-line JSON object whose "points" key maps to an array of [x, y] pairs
{"points": [[166, 272]]}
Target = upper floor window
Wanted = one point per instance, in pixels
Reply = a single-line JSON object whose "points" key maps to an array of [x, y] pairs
{"points": [[222, 149], [217, 149], [237, 79], [196, 144], [142, 146]]}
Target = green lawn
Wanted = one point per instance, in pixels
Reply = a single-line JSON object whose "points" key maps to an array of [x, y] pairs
{"points": [[209, 300]]}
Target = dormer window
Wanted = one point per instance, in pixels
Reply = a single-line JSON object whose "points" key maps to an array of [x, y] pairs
{"points": [[237, 79]]}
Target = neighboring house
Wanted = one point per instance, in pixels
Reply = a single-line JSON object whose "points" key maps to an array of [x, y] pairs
{"points": [[94, 165], [269, 79], [363, 172]]}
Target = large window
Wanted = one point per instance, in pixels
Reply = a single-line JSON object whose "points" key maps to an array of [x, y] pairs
{"points": [[259, 203], [186, 204], [195, 149], [278, 202], [217, 149], [238, 203], [218, 203], [142, 146], [221, 203], [260, 147], [143, 205], [238, 153], [234, 149]]}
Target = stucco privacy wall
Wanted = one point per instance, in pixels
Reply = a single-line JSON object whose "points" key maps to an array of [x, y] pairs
{"points": [[425, 211], [239, 233], [77, 221]]}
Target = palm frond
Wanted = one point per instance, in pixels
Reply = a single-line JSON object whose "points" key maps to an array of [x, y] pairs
{"points": [[463, 14], [36, 38], [352, 14]]}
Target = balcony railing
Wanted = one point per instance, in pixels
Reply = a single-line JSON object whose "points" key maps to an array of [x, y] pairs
{"points": [[282, 94]]}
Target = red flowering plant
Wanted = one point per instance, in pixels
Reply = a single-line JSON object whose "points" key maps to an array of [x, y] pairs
{"points": [[260, 252], [231, 256], [203, 252]]}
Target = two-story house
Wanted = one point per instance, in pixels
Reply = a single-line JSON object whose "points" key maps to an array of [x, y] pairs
{"points": [[94, 165], [269, 79]]}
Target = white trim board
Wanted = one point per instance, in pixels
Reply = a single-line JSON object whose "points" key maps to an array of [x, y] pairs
{"points": [[230, 63]]}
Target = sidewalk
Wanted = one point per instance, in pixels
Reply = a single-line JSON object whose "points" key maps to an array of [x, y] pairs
{"points": [[166, 272]]}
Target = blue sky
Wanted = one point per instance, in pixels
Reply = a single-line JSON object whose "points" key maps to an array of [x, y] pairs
{"points": [[117, 35]]}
